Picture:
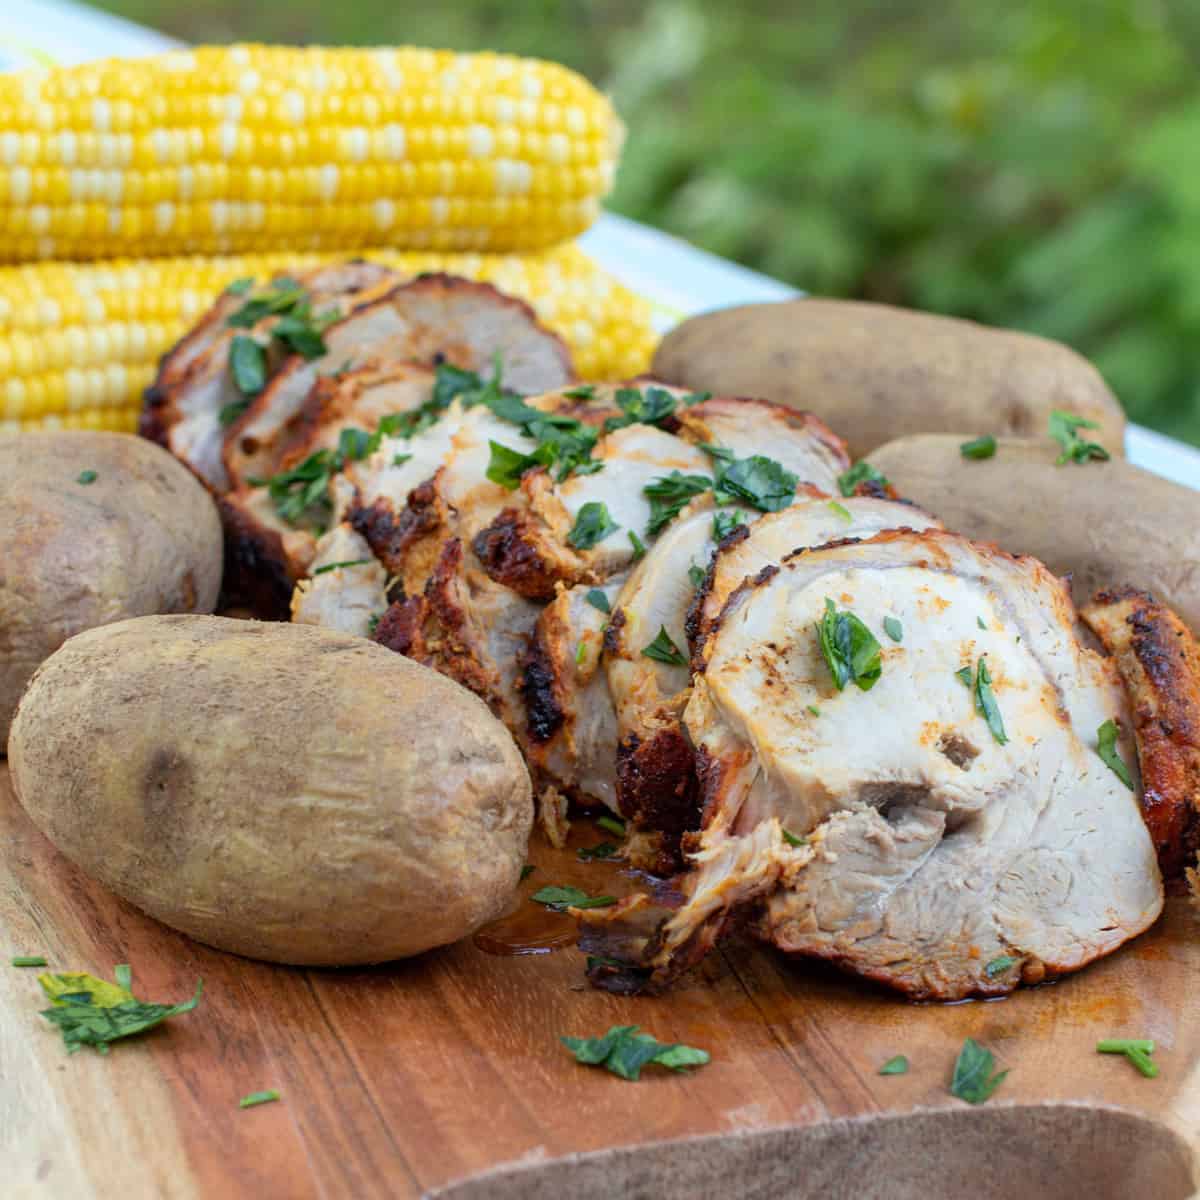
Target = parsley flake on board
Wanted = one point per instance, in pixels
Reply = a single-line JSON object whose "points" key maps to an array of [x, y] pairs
{"points": [[592, 525], [1137, 1050], [624, 1051], [973, 1079], [893, 629], [598, 600], [1064, 429], [613, 825], [861, 472], [849, 648], [256, 1098], [600, 850], [669, 494], [93, 1012], [562, 898], [979, 448], [1106, 738], [86, 477], [895, 1066], [663, 650]]}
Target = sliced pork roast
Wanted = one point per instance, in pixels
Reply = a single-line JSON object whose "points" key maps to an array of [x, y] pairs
{"points": [[1160, 663], [432, 318], [699, 557], [195, 394], [899, 772]]}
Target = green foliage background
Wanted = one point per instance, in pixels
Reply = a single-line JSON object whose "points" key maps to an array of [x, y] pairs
{"points": [[1034, 164]]}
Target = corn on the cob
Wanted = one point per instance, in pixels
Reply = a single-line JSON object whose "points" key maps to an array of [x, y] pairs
{"points": [[79, 342], [222, 150]]}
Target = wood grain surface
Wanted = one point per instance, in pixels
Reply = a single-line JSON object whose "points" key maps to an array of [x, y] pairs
{"points": [[445, 1072]]}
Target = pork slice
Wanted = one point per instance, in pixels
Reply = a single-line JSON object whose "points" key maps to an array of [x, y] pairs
{"points": [[799, 441], [1159, 662], [193, 387], [346, 588], [434, 317]]}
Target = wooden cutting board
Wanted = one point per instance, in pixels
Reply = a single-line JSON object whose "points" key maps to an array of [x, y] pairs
{"points": [[446, 1072]]}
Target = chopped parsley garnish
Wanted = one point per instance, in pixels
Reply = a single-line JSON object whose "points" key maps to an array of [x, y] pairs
{"points": [[1106, 737], [28, 960], [757, 480], [793, 839], [93, 1012], [1137, 1050], [624, 1051], [86, 477], [724, 523], [562, 898], [592, 525], [598, 600], [649, 407], [506, 465], [1064, 429], [861, 472], [999, 965], [964, 676], [304, 489], [973, 1079], [300, 332], [600, 850], [893, 629], [451, 383], [812, 708], [613, 825], [239, 287], [980, 447], [398, 460], [527, 870], [256, 1098], [849, 648], [981, 623], [841, 510], [663, 650], [693, 398], [895, 1066], [562, 441], [696, 576], [373, 623], [669, 494], [350, 562], [281, 296], [585, 391], [580, 654], [985, 701], [639, 547], [231, 411], [248, 365]]}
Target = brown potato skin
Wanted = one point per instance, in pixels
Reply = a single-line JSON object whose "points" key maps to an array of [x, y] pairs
{"points": [[874, 373], [143, 538], [279, 791], [1107, 524]]}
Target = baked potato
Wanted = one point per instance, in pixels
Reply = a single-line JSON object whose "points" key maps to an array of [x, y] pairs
{"points": [[96, 527], [1103, 523], [280, 791], [875, 373]]}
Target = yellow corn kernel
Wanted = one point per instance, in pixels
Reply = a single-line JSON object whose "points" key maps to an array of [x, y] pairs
{"points": [[79, 342], [228, 149]]}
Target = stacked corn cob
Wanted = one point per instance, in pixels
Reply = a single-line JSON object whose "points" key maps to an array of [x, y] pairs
{"points": [[248, 160]]}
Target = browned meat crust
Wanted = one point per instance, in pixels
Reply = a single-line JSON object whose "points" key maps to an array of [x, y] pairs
{"points": [[540, 692], [1159, 662], [392, 536], [508, 551], [256, 574], [656, 789]]}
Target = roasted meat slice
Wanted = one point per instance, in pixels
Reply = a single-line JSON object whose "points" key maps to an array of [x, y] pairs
{"points": [[748, 550], [943, 823], [195, 390], [1159, 661], [571, 728], [346, 588], [650, 687], [434, 317]]}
